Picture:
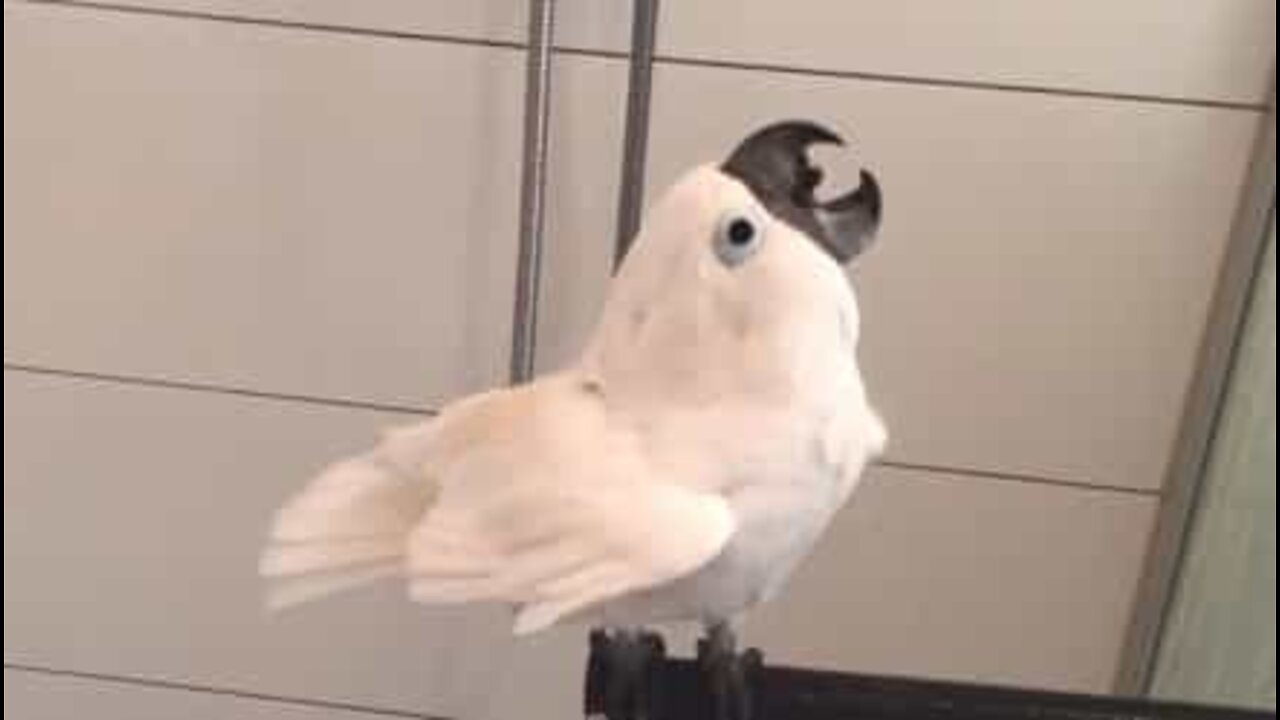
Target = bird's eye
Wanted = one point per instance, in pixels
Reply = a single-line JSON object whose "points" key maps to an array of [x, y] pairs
{"points": [[739, 235]]}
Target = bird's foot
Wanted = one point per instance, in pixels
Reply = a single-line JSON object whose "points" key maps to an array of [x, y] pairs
{"points": [[730, 675], [623, 675]]}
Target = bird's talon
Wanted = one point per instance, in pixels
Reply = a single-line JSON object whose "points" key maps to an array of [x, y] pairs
{"points": [[730, 676], [624, 675]]}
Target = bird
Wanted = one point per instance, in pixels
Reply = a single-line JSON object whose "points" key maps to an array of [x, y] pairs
{"points": [[677, 470]]}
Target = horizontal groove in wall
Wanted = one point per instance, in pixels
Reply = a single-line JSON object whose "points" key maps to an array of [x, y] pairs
{"points": [[686, 61], [1019, 478], [201, 689], [214, 389]]}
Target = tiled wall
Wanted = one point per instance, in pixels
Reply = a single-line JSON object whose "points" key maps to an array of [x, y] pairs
{"points": [[243, 235]]}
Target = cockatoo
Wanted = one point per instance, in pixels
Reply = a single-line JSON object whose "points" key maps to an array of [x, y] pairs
{"points": [[679, 470]]}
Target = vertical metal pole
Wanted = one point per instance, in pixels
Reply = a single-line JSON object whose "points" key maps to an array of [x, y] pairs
{"points": [[533, 181], [644, 30]]}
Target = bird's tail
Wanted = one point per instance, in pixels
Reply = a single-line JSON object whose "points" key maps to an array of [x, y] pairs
{"points": [[349, 526]]}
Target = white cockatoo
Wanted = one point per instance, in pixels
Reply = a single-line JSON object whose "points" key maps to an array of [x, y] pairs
{"points": [[677, 471]]}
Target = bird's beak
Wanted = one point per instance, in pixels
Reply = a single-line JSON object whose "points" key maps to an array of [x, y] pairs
{"points": [[772, 163]]}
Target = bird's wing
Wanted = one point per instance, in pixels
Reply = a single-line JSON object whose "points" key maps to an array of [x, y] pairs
{"points": [[543, 505]]}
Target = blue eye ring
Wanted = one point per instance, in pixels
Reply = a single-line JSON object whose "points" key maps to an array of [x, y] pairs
{"points": [[739, 235]]}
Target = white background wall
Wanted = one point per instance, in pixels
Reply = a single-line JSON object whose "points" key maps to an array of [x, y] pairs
{"points": [[242, 236]]}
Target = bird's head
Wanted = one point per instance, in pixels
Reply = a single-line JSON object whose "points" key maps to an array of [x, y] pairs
{"points": [[773, 164], [738, 267]]}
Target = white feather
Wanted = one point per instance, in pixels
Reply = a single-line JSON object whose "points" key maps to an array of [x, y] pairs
{"points": [[286, 593], [553, 509], [349, 526], [295, 558]]}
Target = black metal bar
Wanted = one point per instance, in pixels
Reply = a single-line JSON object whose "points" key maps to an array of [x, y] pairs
{"points": [[644, 30], [795, 694], [533, 181]]}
